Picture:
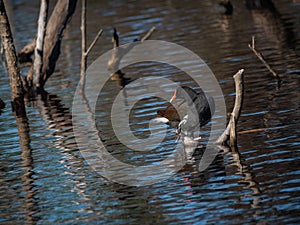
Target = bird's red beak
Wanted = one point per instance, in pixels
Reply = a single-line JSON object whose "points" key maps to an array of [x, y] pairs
{"points": [[174, 97]]}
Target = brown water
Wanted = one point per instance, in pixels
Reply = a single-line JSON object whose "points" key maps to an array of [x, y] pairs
{"points": [[48, 181]]}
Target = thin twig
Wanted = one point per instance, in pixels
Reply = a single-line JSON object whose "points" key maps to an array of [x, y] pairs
{"points": [[93, 42], [149, 33], [84, 52], [83, 41], [252, 130], [260, 57]]}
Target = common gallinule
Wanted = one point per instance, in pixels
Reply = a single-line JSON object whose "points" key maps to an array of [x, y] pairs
{"points": [[199, 109], [172, 111]]}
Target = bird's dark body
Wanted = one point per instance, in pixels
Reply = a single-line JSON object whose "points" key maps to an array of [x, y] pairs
{"points": [[200, 108]]}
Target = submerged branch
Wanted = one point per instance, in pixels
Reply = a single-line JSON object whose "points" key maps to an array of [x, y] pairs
{"points": [[94, 42], [261, 58], [230, 131], [148, 35], [24, 55], [47, 43], [56, 25], [119, 52]]}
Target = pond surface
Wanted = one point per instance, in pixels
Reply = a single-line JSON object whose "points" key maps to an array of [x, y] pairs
{"points": [[48, 181]]}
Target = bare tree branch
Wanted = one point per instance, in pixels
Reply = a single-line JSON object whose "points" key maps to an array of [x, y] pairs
{"points": [[93, 42], [25, 53], [83, 42], [148, 35], [261, 58], [230, 131], [56, 25], [84, 52], [118, 52], [38, 53]]}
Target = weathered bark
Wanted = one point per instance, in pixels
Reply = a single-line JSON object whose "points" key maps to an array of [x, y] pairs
{"points": [[56, 25], [230, 131], [46, 45], [38, 53], [17, 91]]}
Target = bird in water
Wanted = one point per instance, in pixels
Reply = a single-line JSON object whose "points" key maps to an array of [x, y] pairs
{"points": [[199, 109]]}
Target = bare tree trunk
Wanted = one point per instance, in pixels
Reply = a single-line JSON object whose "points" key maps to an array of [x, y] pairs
{"points": [[17, 91], [18, 105], [38, 53], [60, 17]]}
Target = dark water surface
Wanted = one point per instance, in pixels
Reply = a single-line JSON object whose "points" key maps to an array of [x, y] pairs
{"points": [[47, 181]]}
